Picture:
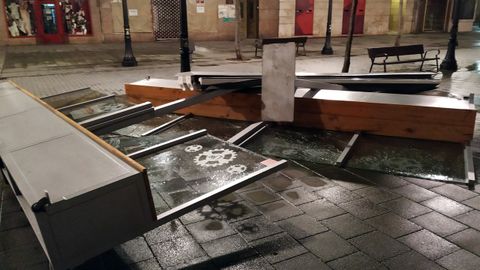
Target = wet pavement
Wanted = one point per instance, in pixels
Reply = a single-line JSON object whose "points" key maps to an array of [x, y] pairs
{"points": [[377, 213]]}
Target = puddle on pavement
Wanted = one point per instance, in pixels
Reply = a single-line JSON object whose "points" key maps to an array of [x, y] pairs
{"points": [[416, 158], [300, 144], [474, 67]]}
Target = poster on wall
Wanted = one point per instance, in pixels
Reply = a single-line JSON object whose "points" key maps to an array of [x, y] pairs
{"points": [[76, 17], [20, 18], [200, 6], [226, 12]]}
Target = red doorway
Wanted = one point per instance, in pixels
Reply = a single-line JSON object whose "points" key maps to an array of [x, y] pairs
{"points": [[304, 17], [359, 18], [49, 20]]}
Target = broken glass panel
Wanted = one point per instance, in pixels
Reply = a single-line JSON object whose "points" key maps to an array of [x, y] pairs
{"points": [[187, 171], [299, 144], [88, 111], [73, 97], [417, 158]]}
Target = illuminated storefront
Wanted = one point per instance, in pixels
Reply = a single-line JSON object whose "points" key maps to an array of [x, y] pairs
{"points": [[48, 21]]}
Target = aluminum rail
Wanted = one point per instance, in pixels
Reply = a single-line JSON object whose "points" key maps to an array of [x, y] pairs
{"points": [[167, 125], [248, 133], [168, 144], [85, 103]]}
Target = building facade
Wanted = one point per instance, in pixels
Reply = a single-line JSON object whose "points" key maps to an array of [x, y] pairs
{"points": [[94, 21]]}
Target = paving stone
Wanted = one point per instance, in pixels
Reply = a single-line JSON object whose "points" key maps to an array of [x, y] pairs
{"points": [[468, 239], [378, 245], [345, 178], [260, 196], [425, 183], [347, 226], [198, 215], [252, 186], [209, 229], [256, 228], [380, 179], [18, 237], [447, 206], [299, 196], [439, 224], [471, 218], [406, 208], [430, 245], [473, 202], [302, 226], [249, 264], [23, 257], [166, 232], [10, 206], [338, 194], [377, 195], [363, 208], [200, 263], [461, 259], [236, 211], [454, 192], [177, 252], [280, 182], [328, 246], [314, 182], [278, 247], [356, 261], [321, 209], [150, 264], [13, 220], [393, 225], [305, 261], [415, 193], [228, 249], [134, 251], [279, 210], [412, 261]]}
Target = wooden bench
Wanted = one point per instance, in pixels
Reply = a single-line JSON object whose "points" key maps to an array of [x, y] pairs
{"points": [[299, 42], [387, 52]]}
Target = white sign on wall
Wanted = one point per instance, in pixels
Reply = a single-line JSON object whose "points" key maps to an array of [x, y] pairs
{"points": [[132, 12], [200, 6]]}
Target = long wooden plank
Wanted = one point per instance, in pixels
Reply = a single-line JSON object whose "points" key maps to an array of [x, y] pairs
{"points": [[419, 117]]}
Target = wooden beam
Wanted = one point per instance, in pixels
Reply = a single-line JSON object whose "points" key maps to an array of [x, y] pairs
{"points": [[408, 116]]}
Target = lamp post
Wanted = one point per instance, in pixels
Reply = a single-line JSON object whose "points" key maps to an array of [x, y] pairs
{"points": [[128, 58], [450, 63], [327, 48], [184, 46]]}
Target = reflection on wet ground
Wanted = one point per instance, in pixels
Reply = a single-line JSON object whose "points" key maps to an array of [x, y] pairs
{"points": [[74, 97]]}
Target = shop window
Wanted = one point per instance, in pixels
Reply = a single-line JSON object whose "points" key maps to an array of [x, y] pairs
{"points": [[20, 18], [76, 15]]}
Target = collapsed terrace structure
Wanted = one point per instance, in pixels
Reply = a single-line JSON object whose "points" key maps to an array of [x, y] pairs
{"points": [[99, 170]]}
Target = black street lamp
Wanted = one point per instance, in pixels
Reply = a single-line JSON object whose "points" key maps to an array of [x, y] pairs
{"points": [[184, 46], [128, 58], [327, 48], [450, 63]]}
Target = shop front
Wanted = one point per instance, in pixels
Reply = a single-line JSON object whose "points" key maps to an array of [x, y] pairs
{"points": [[47, 21]]}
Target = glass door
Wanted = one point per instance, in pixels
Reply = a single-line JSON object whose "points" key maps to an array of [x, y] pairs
{"points": [[49, 20]]}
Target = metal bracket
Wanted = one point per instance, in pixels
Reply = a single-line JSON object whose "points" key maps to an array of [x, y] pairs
{"points": [[167, 125], [343, 158], [41, 205], [469, 168], [168, 144], [248, 133]]}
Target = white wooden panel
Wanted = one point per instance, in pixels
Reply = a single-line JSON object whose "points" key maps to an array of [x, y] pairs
{"points": [[30, 127], [15, 103]]}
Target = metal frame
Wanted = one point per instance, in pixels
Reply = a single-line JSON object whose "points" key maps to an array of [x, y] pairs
{"points": [[113, 115], [85, 103], [469, 168], [248, 133], [167, 125], [191, 205], [343, 158], [168, 144]]}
